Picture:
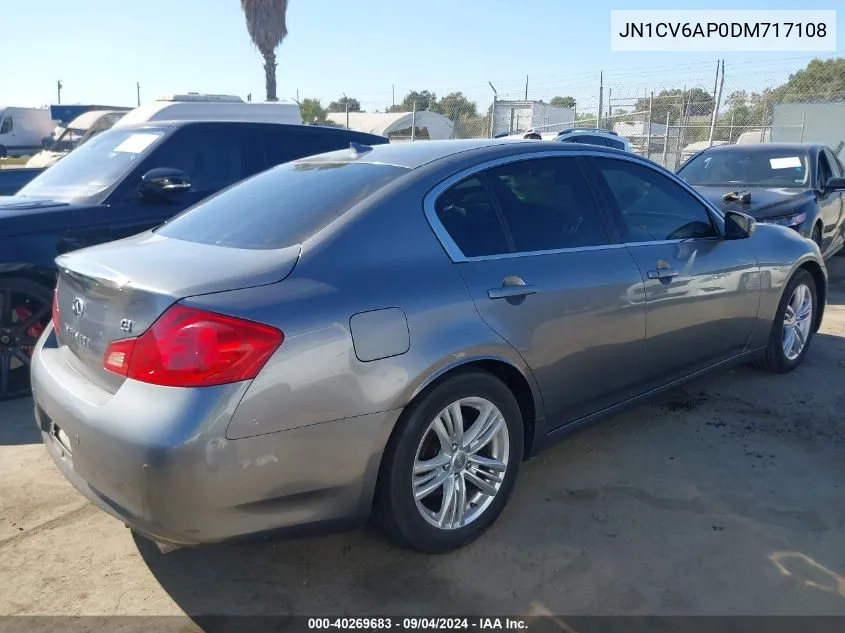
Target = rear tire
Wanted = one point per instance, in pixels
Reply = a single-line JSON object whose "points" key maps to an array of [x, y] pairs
{"points": [[25, 310], [3, 152], [476, 477], [791, 325]]}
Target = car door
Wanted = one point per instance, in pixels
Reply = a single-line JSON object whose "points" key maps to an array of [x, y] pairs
{"points": [[213, 156], [830, 201], [701, 291], [530, 242]]}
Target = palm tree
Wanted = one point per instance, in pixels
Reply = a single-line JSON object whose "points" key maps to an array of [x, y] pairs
{"points": [[267, 26]]}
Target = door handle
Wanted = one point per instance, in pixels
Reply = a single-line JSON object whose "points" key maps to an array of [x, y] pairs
{"points": [[662, 273], [511, 287]]}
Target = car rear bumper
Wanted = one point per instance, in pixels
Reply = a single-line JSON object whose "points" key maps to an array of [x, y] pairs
{"points": [[158, 459]]}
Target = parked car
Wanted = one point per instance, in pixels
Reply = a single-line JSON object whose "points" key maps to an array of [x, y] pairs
{"points": [[81, 129], [395, 329], [798, 185], [121, 182], [13, 180], [594, 136]]}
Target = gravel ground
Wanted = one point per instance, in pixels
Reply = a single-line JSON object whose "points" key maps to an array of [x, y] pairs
{"points": [[727, 497]]}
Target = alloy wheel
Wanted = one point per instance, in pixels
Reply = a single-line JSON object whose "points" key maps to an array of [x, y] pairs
{"points": [[461, 463], [23, 318], [797, 320]]}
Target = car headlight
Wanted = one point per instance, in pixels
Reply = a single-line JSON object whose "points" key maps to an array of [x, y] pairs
{"points": [[789, 220]]}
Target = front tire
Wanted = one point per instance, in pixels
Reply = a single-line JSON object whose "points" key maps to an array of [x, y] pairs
{"points": [[792, 330], [451, 464]]}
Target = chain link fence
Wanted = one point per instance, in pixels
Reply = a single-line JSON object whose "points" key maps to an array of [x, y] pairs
{"points": [[666, 113]]}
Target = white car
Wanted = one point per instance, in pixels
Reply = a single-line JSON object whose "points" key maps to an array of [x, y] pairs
{"points": [[591, 136]]}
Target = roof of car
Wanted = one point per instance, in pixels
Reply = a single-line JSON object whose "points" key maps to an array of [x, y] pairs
{"points": [[292, 126], [413, 155], [767, 147]]}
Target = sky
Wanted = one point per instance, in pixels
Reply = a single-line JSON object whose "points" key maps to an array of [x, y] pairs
{"points": [[370, 50]]}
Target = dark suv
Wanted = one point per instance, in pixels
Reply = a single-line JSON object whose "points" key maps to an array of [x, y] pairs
{"points": [[120, 183]]}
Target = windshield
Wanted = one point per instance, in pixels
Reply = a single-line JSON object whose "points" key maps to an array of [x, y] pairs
{"points": [[280, 207], [68, 140], [94, 166], [751, 168]]}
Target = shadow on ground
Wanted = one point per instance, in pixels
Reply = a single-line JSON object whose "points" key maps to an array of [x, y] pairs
{"points": [[698, 488], [17, 424]]}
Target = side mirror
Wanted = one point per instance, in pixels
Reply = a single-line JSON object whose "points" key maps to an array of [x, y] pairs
{"points": [[164, 183], [738, 226], [835, 184]]}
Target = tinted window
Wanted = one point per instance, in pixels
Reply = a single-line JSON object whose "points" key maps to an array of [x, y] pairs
{"points": [[547, 204], [283, 145], [825, 170], [6, 127], [651, 206], [754, 167], [213, 157], [614, 143], [468, 215], [280, 207], [587, 139], [835, 165]]}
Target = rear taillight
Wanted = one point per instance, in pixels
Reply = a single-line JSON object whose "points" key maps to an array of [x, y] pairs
{"points": [[188, 347], [56, 309]]}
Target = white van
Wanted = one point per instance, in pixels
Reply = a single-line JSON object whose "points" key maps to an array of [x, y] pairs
{"points": [[82, 128], [194, 106], [24, 130]]}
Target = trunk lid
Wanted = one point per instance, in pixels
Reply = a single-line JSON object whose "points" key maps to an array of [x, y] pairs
{"points": [[118, 290]]}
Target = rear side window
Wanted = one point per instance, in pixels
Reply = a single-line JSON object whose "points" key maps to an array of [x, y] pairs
{"points": [[471, 220], [280, 207], [7, 125], [614, 143]]}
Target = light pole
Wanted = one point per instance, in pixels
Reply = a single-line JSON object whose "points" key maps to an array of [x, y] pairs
{"points": [[493, 109]]}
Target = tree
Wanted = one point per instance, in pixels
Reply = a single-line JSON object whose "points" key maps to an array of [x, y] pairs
{"points": [[821, 80], [312, 111], [675, 103], [340, 105], [267, 26], [455, 105], [563, 102], [422, 100]]}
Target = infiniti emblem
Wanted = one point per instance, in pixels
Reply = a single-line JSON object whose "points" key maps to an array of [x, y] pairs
{"points": [[78, 308]]}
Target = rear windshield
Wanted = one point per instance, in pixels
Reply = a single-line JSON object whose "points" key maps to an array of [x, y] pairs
{"points": [[280, 207]]}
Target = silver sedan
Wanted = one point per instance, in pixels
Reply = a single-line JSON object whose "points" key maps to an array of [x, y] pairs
{"points": [[390, 331]]}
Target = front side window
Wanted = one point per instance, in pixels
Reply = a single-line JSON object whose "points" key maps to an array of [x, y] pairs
{"points": [[650, 206], [825, 170], [7, 125], [747, 168], [95, 166], [835, 165], [212, 157], [547, 204]]}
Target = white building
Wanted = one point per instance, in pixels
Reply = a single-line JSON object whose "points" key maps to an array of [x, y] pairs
{"points": [[397, 125], [514, 116]]}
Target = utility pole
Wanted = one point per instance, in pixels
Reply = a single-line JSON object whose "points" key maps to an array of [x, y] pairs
{"points": [[493, 110], [138, 91], [717, 98], [393, 98], [526, 87], [59, 91], [601, 99]]}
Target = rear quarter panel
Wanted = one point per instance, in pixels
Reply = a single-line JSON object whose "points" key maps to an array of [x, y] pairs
{"points": [[380, 256]]}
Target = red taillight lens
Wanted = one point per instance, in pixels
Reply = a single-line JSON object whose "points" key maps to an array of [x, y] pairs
{"points": [[187, 347], [56, 309]]}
